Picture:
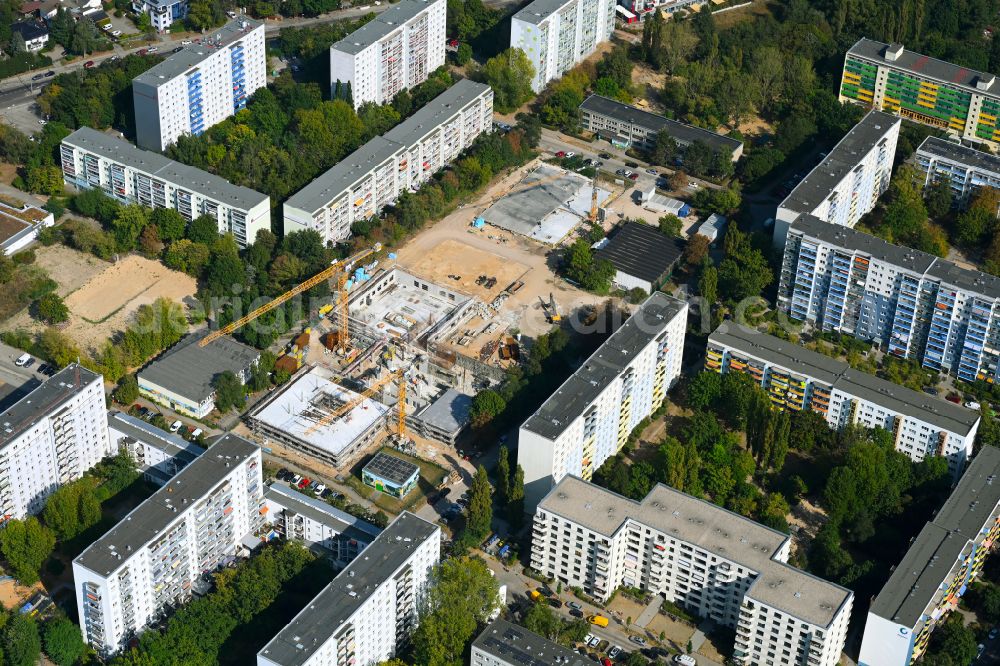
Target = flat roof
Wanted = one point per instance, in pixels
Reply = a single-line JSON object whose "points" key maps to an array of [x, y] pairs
{"points": [[43, 401], [320, 511], [189, 370], [711, 527], [173, 445], [655, 123], [389, 20], [323, 617], [925, 66], [192, 55], [916, 582], [292, 410], [151, 518], [819, 183], [841, 376], [512, 644], [433, 114], [449, 411], [604, 365], [920, 263], [642, 251], [391, 468], [158, 166], [539, 10], [957, 153]]}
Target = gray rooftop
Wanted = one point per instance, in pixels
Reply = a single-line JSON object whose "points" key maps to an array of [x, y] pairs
{"points": [[356, 166], [149, 520], [915, 583], [685, 133], [710, 527], [189, 57], [844, 158], [604, 365], [642, 251], [539, 10], [44, 400], [838, 374], [386, 22], [511, 644], [173, 445], [189, 370], [158, 166], [449, 412], [391, 468], [322, 618], [321, 512], [956, 153], [919, 263], [925, 66]]}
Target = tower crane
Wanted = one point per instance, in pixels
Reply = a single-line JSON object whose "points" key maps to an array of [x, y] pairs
{"points": [[338, 268], [396, 375]]}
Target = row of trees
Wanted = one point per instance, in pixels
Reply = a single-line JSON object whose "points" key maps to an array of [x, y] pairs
{"points": [[22, 640]]}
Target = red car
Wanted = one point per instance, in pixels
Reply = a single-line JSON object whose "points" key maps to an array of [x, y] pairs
{"points": [[634, 176], [304, 483], [561, 153], [88, 64], [143, 51]]}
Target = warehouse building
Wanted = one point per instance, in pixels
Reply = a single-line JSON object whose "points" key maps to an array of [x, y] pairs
{"points": [[642, 255]]}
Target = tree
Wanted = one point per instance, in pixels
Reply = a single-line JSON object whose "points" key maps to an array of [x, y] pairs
{"points": [[541, 619], [169, 223], [183, 255], [503, 474], [696, 250], [71, 509], [510, 74], [85, 38], [704, 390], [515, 499], [127, 225], [63, 643], [51, 309], [744, 271], [229, 391], [203, 229], [486, 406], [149, 242], [21, 644], [464, 54], [127, 391], [938, 198], [708, 284], [25, 545], [954, 641], [480, 504], [671, 225], [461, 596]]}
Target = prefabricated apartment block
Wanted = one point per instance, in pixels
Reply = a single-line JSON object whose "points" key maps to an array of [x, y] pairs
{"points": [[51, 437], [966, 169], [797, 378], [557, 34], [846, 184], [373, 177], [200, 85], [370, 609], [93, 159], [504, 643], [395, 51], [154, 559], [158, 454], [917, 305], [589, 418], [715, 563]]}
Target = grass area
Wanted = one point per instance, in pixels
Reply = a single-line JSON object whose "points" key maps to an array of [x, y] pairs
{"points": [[431, 475]]}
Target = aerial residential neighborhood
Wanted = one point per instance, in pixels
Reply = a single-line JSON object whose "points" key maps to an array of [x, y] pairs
{"points": [[500, 333]]}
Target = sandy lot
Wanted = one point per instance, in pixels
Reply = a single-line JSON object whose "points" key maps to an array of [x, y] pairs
{"points": [[69, 268], [13, 595], [452, 257]]}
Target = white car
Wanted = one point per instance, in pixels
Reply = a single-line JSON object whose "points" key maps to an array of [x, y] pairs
{"points": [[116, 33], [627, 173], [319, 489], [196, 433], [42, 121], [22, 360], [594, 641], [685, 660], [152, 49], [185, 42], [693, 185], [571, 154], [973, 405], [614, 652], [175, 426]]}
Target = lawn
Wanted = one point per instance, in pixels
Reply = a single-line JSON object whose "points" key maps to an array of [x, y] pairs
{"points": [[431, 475]]}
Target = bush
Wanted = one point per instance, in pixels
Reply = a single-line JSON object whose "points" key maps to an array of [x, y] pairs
{"points": [[24, 258]]}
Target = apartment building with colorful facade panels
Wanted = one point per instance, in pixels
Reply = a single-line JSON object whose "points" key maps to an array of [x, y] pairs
{"points": [[938, 568], [923, 89], [797, 378], [917, 306]]}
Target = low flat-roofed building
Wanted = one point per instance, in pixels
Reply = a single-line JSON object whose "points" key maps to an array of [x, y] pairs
{"points": [[158, 454], [445, 418], [642, 255], [370, 609], [391, 474], [291, 417], [712, 228], [504, 643], [182, 377], [20, 224]]}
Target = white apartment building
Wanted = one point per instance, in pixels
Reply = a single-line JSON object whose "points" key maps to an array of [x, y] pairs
{"points": [[393, 52], [503, 643], [939, 566], [51, 437], [200, 85], [369, 609], [846, 184], [93, 159], [712, 562], [374, 176], [797, 378], [966, 169], [589, 418], [158, 454], [162, 13], [155, 557], [557, 34]]}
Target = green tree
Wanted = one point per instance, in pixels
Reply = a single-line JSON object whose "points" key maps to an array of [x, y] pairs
{"points": [[486, 406], [169, 223], [229, 391], [671, 225], [938, 198], [51, 309], [480, 504], [203, 229], [503, 474], [541, 619], [464, 54], [708, 284], [71, 509], [510, 74], [127, 390], [952, 643], [25, 545], [63, 643], [127, 225], [21, 643], [515, 499]]}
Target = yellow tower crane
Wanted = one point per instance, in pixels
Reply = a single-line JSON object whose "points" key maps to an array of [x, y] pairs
{"points": [[396, 375], [339, 268]]}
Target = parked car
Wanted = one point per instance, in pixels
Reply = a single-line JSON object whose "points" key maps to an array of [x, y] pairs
{"points": [[143, 51], [282, 474], [22, 360], [152, 49], [693, 185], [614, 652], [631, 165], [593, 641], [575, 613], [651, 172], [575, 605], [178, 49], [684, 660], [319, 489], [605, 156], [304, 483], [638, 640], [185, 42], [43, 121], [295, 479], [196, 433], [175, 426], [571, 154], [561, 153], [993, 633], [116, 33], [980, 649], [555, 603], [634, 176], [49, 73], [972, 404], [38, 77], [88, 64], [326, 493]]}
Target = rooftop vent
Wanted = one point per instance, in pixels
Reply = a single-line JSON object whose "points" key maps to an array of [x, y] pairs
{"points": [[893, 51]]}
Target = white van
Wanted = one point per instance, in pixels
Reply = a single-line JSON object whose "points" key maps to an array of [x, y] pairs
{"points": [[22, 360]]}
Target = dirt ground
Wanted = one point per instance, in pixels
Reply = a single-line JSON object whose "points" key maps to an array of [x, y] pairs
{"points": [[13, 595], [7, 172], [648, 83], [453, 257]]}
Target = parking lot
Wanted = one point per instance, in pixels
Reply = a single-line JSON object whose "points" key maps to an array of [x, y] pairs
{"points": [[17, 381]]}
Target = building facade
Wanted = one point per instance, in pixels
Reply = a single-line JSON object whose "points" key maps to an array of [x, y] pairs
{"points": [[916, 305], [887, 77], [393, 52], [200, 85], [940, 565], [158, 454], [715, 563], [589, 418], [797, 378], [154, 559], [503, 643], [92, 159], [162, 13], [846, 184], [403, 159], [51, 437], [627, 126], [370, 609], [965, 169], [558, 34]]}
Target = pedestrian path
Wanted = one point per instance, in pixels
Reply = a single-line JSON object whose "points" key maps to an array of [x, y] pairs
{"points": [[650, 611]]}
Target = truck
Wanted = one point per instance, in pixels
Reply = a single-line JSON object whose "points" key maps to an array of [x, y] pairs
{"points": [[598, 620]]}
